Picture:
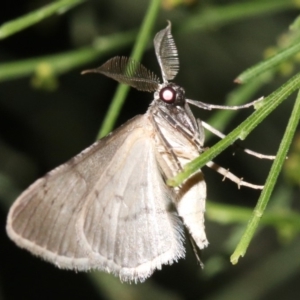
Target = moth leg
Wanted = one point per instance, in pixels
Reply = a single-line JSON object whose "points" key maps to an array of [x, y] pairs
{"points": [[248, 151], [232, 177], [195, 249], [201, 132]]}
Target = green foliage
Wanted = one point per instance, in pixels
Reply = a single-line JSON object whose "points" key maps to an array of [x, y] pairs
{"points": [[278, 215]]}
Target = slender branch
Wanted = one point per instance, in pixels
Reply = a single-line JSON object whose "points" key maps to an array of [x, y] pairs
{"points": [[270, 103], [270, 183], [36, 16], [213, 16], [137, 52], [66, 61]]}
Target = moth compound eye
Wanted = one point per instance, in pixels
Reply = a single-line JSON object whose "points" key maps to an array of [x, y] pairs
{"points": [[167, 94]]}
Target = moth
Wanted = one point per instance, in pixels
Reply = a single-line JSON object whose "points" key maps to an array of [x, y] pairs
{"points": [[109, 208]]}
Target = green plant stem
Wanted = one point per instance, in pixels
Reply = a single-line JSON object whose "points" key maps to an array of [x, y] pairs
{"points": [[270, 103], [239, 96], [213, 16], [229, 214], [264, 276], [268, 64], [270, 183], [138, 50], [67, 61], [36, 16]]}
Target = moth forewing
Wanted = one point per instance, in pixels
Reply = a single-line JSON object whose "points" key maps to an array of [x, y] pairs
{"points": [[96, 212], [62, 188]]}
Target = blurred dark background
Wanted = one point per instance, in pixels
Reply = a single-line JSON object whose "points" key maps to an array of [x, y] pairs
{"points": [[40, 129]]}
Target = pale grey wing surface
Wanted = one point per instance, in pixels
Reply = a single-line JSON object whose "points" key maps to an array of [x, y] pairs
{"points": [[43, 218], [71, 216], [129, 222]]}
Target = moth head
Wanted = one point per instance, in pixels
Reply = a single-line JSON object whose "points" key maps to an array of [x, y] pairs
{"points": [[170, 93]]}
